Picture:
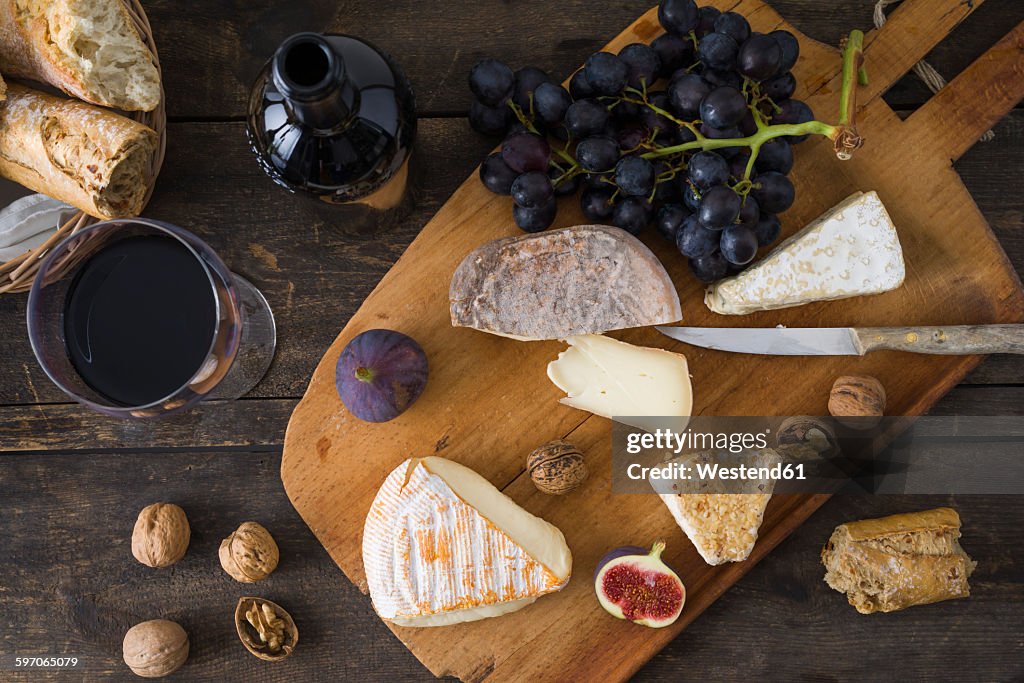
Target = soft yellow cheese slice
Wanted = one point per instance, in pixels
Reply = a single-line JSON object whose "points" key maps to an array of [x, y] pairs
{"points": [[611, 378], [441, 545]]}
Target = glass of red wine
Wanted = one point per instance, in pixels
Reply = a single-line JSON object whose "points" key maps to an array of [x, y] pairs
{"points": [[138, 318]]}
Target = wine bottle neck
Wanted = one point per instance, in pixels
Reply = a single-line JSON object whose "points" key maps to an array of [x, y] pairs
{"points": [[311, 77]]}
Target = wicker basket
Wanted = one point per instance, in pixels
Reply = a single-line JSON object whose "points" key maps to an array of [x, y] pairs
{"points": [[17, 275]]}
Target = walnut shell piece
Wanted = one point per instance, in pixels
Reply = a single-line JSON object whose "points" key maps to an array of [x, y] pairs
{"points": [[161, 535], [265, 628], [249, 554], [557, 467], [862, 398], [155, 648], [812, 433]]}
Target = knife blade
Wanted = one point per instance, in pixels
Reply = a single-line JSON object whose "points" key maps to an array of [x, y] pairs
{"points": [[854, 341]]}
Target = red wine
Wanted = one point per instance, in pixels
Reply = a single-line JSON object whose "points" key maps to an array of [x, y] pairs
{"points": [[139, 319]]}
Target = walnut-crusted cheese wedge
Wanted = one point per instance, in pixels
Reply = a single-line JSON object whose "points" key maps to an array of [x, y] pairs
{"points": [[850, 250], [723, 526], [441, 545]]}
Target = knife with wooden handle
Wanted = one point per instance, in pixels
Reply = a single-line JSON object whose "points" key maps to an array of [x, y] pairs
{"points": [[960, 340]]}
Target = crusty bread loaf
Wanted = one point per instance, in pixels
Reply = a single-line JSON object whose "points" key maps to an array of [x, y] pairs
{"points": [[88, 157], [87, 48], [890, 563]]}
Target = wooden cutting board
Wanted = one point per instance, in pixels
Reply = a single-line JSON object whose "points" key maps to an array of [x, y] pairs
{"points": [[488, 401]]}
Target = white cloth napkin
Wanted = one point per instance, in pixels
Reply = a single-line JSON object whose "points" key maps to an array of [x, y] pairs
{"points": [[27, 222]]}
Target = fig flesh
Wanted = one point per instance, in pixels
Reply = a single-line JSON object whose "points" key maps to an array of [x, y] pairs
{"points": [[380, 373], [634, 584]]}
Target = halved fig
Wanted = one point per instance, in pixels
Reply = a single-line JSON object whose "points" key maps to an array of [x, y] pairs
{"points": [[633, 583]]}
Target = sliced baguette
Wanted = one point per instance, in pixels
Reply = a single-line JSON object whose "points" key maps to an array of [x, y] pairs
{"points": [[74, 152], [88, 48]]}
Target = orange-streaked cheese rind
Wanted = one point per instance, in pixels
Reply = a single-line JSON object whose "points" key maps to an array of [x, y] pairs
{"points": [[431, 558]]}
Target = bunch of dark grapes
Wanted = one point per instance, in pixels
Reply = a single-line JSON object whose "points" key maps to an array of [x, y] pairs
{"points": [[613, 135]]}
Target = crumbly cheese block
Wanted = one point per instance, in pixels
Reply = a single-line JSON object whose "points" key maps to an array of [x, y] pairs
{"points": [[723, 526], [611, 378], [586, 279], [441, 545], [850, 250]]}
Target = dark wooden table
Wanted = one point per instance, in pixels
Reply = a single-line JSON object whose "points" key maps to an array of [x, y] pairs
{"points": [[72, 482]]}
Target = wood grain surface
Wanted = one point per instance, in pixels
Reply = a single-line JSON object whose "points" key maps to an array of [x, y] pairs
{"points": [[72, 482], [489, 402]]}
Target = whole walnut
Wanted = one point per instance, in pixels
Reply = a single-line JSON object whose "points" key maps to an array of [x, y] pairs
{"points": [[249, 554], [155, 648], [557, 467], [857, 402], [161, 535]]}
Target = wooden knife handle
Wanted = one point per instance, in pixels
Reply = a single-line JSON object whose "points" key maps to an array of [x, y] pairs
{"points": [[961, 340]]}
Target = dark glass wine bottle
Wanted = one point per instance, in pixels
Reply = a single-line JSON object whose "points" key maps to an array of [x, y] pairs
{"points": [[333, 116]]}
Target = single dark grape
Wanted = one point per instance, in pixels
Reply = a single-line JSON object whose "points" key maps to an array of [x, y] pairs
{"points": [[626, 113], [684, 135], [598, 153], [632, 214], [719, 207], [760, 57], [691, 197], [775, 155], [747, 125], [718, 51], [773, 191], [793, 111], [550, 101], [606, 73], [566, 186], [707, 169], [496, 175], [489, 120], [532, 190], [739, 244], [630, 136], [710, 268], [678, 17], [719, 77], [734, 25], [767, 229], [685, 94], [780, 87], [527, 80], [673, 53], [579, 86], [586, 117], [491, 82], [643, 63], [653, 121], [738, 164], [723, 134], [635, 176], [789, 46], [535, 220], [750, 212], [526, 152], [596, 203], [693, 240], [723, 107], [669, 219], [706, 20]]}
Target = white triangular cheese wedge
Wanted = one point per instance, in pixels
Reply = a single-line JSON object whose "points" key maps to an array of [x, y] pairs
{"points": [[614, 379], [441, 545], [850, 250], [722, 526]]}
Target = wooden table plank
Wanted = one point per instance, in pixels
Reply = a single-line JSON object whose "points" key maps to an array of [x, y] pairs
{"points": [[212, 53], [71, 585]]}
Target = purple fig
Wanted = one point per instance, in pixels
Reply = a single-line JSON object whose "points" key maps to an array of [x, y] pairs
{"points": [[633, 583], [380, 374]]}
